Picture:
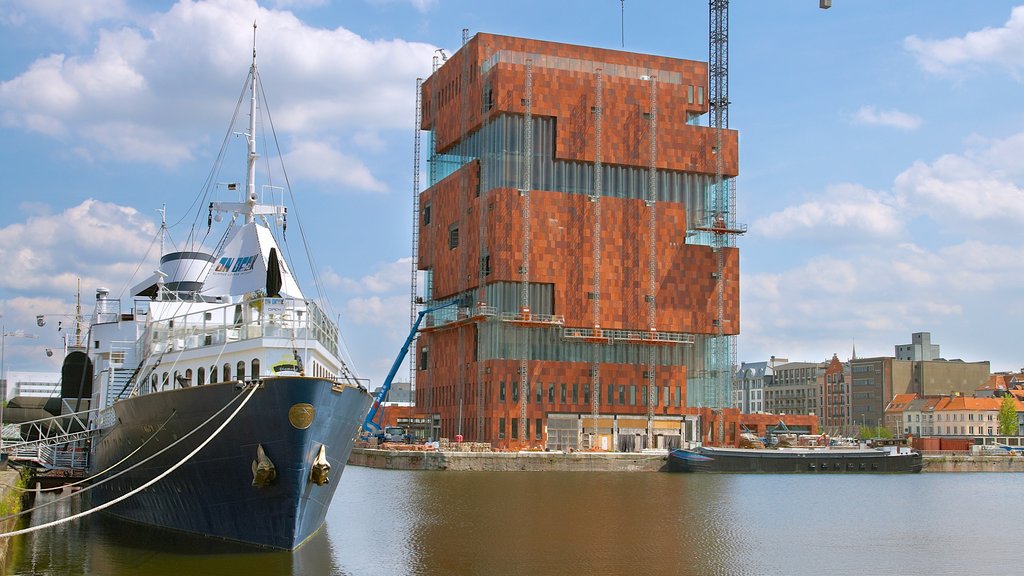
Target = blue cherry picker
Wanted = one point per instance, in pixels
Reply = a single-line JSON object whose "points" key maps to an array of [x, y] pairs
{"points": [[375, 416]]}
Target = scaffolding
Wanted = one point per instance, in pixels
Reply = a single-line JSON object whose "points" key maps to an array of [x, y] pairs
{"points": [[652, 260], [510, 317], [524, 269], [716, 226], [414, 276], [595, 198]]}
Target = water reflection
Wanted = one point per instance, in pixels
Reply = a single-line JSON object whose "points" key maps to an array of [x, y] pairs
{"points": [[545, 523], [99, 544], [593, 523]]}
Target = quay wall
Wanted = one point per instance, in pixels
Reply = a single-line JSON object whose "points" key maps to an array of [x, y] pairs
{"points": [[9, 494], [952, 462], [610, 461], [507, 461]]}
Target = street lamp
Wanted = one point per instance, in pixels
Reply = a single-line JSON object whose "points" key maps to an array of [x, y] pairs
{"points": [[3, 369]]}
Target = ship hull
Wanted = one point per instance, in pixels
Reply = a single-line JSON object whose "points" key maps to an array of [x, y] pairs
{"points": [[213, 494], [810, 461]]}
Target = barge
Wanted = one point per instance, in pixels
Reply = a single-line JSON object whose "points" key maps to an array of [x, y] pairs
{"points": [[891, 459]]}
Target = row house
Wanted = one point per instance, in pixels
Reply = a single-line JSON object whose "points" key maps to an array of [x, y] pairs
{"points": [[749, 384], [834, 399], [946, 415]]}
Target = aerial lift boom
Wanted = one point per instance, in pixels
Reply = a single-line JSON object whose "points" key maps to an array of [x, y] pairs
{"points": [[370, 424]]}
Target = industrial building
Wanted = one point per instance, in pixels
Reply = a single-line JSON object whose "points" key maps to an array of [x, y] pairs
{"points": [[579, 222]]}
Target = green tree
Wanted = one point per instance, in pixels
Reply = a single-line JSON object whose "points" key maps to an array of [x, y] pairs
{"points": [[1008, 416], [871, 432]]}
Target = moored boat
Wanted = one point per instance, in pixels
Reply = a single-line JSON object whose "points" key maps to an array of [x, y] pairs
{"points": [[222, 405], [824, 460]]}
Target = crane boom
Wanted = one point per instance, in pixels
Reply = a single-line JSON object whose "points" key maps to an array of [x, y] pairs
{"points": [[370, 425]]}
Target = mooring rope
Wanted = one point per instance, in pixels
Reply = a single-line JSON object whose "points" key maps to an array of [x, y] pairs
{"points": [[161, 476], [130, 468], [96, 475]]}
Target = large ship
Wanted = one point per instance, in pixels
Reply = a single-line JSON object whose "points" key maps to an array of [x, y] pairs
{"points": [[222, 405], [809, 460]]}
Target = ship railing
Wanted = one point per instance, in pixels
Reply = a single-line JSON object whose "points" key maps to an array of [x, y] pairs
{"points": [[285, 318], [52, 456]]}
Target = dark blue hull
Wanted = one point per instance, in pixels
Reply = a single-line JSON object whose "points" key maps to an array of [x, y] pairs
{"points": [[810, 461], [213, 494]]}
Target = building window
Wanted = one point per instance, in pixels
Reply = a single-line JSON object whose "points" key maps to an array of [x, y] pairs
{"points": [[426, 214], [423, 357], [255, 367], [515, 398], [453, 236], [622, 394], [240, 368], [501, 425], [561, 395], [538, 429], [526, 431], [586, 393], [551, 393], [227, 372], [501, 391], [540, 392], [213, 374], [488, 99], [575, 393], [611, 394], [201, 376], [515, 428]]}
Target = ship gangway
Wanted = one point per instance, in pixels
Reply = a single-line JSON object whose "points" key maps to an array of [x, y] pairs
{"points": [[55, 445]]}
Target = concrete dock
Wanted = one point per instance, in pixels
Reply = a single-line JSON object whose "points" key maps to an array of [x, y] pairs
{"points": [[609, 461]]}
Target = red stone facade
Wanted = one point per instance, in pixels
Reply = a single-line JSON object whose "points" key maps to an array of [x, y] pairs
{"points": [[452, 381]]}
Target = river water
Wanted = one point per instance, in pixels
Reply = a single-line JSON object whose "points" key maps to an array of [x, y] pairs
{"points": [[564, 523]]}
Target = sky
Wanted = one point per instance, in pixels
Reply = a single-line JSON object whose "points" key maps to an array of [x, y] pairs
{"points": [[880, 154]]}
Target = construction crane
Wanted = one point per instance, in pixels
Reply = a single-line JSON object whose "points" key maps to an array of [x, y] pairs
{"points": [[717, 226]]}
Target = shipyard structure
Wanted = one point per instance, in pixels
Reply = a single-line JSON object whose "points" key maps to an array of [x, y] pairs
{"points": [[576, 224]]}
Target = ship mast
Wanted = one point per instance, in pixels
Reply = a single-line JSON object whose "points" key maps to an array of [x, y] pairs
{"points": [[250, 137]]}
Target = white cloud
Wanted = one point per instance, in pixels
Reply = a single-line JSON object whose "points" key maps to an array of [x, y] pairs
{"points": [[320, 161], [387, 278], [97, 242], [845, 213], [979, 187], [156, 87], [810, 309], [71, 16], [1004, 46], [894, 118], [422, 6], [299, 3]]}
